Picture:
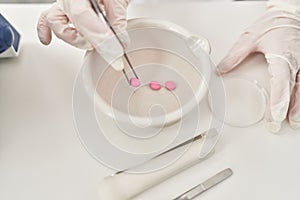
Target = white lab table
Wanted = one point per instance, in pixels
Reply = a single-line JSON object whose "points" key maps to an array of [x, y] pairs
{"points": [[41, 156]]}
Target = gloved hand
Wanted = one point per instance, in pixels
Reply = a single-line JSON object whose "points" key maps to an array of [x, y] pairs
{"points": [[75, 22], [277, 36]]}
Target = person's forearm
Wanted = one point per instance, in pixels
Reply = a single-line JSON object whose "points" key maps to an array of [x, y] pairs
{"points": [[291, 2], [292, 6]]}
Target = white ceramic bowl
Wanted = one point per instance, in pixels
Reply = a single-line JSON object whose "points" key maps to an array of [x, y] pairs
{"points": [[159, 51]]}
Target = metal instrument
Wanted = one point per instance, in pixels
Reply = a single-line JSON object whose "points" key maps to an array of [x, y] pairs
{"points": [[209, 183], [100, 13]]}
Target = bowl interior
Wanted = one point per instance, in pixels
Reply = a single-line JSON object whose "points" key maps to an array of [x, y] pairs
{"points": [[157, 55], [150, 65]]}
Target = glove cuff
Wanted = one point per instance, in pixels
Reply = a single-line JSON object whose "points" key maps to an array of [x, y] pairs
{"points": [[291, 6]]}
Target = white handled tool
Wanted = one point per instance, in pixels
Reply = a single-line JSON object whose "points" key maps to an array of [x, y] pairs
{"points": [[125, 186]]}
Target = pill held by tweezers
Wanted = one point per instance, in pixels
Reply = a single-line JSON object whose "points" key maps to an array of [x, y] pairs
{"points": [[170, 85], [135, 82], [155, 85]]}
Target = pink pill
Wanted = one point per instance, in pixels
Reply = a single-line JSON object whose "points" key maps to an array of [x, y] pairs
{"points": [[155, 85], [135, 82], [170, 85]]}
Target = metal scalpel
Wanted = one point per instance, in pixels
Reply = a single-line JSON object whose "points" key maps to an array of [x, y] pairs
{"points": [[209, 183]]}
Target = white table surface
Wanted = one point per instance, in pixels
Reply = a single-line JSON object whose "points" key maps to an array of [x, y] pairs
{"points": [[41, 156]]}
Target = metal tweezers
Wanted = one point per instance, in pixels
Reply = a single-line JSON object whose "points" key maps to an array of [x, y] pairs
{"points": [[96, 7]]}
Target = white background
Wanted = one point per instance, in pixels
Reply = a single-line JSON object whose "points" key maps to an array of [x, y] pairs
{"points": [[41, 156]]}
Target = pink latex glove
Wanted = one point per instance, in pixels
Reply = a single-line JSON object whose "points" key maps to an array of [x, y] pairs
{"points": [[75, 22], [277, 36]]}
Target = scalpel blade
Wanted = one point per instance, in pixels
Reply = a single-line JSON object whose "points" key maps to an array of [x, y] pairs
{"points": [[195, 191]]}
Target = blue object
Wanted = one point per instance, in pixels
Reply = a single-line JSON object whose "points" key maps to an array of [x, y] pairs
{"points": [[9, 36]]}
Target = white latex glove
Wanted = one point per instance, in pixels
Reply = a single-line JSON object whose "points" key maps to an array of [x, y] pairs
{"points": [[277, 36], [75, 22]]}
